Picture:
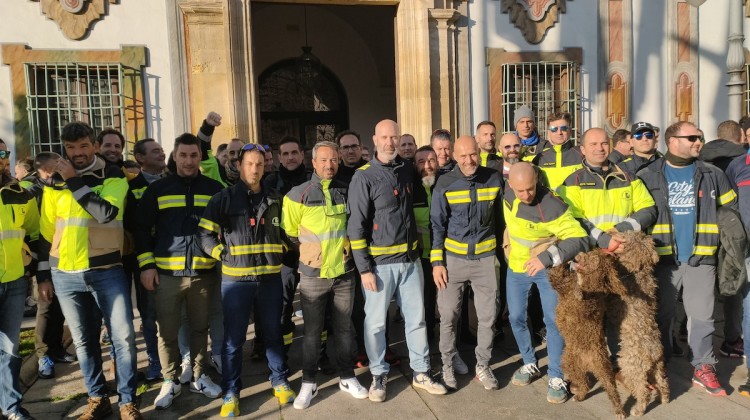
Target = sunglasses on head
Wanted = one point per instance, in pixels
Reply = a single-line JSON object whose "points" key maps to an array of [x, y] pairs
{"points": [[512, 146], [4, 154], [648, 134], [252, 146], [563, 128], [691, 138]]}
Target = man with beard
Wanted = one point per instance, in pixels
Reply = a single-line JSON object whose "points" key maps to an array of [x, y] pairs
{"points": [[350, 149], [486, 134], [523, 121], [384, 243], [81, 238], [510, 150], [466, 220], [111, 145], [688, 193], [19, 223], [407, 147], [227, 174], [442, 143], [559, 156]]}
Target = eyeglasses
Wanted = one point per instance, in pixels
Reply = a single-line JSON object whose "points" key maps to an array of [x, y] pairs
{"points": [[563, 128], [691, 138], [512, 146], [349, 147], [4, 154], [648, 134]]}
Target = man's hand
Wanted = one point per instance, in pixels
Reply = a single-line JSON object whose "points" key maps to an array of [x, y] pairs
{"points": [[213, 119], [65, 169], [533, 266], [440, 275], [369, 282], [150, 279], [46, 291], [617, 243]]}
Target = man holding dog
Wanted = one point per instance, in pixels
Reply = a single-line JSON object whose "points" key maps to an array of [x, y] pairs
{"points": [[687, 193]]}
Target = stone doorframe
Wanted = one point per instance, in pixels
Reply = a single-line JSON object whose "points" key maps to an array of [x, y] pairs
{"points": [[211, 45]]}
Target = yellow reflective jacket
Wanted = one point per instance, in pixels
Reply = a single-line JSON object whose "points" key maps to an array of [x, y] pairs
{"points": [[602, 201], [313, 215], [81, 221], [546, 218], [557, 162], [19, 221]]}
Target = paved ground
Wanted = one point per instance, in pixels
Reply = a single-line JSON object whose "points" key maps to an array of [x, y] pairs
{"points": [[63, 398]]}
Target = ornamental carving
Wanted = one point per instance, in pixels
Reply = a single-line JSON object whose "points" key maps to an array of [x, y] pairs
{"points": [[533, 17], [74, 17]]}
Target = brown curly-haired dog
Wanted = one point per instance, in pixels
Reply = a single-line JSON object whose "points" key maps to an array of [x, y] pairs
{"points": [[581, 306], [641, 356]]}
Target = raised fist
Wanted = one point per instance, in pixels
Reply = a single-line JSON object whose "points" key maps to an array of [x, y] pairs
{"points": [[213, 119]]}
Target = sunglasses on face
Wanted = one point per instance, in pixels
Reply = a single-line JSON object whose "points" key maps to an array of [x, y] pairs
{"points": [[563, 128], [4, 154], [512, 146], [647, 134], [691, 138]]}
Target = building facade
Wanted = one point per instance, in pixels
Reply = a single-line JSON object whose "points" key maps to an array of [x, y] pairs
{"points": [[154, 68]]}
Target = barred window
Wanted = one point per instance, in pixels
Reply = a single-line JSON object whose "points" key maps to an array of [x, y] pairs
{"points": [[547, 87], [59, 93]]}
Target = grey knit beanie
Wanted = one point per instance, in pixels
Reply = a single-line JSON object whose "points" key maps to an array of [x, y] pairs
{"points": [[522, 112]]}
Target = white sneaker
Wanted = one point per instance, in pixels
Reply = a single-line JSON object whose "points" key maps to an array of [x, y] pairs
{"points": [[187, 371], [352, 386], [169, 390], [204, 385], [215, 362], [459, 366], [307, 392]]}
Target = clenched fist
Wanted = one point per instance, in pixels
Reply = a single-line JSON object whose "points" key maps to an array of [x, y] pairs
{"points": [[213, 119]]}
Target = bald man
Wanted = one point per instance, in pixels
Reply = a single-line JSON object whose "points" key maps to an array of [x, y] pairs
{"points": [[466, 216], [510, 150], [383, 235], [542, 233]]}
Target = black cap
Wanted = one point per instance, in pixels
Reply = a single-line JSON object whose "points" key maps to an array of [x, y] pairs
{"points": [[642, 126]]}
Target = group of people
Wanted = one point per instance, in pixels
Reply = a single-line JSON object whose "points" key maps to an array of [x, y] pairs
{"points": [[232, 239]]}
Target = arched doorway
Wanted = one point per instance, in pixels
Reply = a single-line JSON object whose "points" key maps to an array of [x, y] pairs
{"points": [[311, 110]]}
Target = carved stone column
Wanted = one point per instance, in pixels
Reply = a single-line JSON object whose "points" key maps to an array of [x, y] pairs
{"points": [[442, 69], [414, 101], [616, 58], [682, 26], [736, 61], [241, 70]]}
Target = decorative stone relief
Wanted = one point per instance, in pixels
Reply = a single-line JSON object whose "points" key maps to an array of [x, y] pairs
{"points": [[616, 60], [74, 17], [533, 17], [683, 61]]}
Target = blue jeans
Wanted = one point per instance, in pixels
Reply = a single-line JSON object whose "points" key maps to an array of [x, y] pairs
{"points": [[87, 297], [12, 298], [405, 281], [518, 286], [239, 298]]}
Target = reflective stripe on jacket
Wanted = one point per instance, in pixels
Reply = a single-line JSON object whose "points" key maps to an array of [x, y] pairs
{"points": [[616, 200], [712, 190], [466, 215], [546, 218], [248, 245], [19, 222], [314, 214], [381, 224], [557, 162], [166, 227]]}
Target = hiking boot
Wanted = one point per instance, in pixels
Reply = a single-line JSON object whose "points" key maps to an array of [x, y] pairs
{"points": [[46, 368], [130, 412], [230, 407], [186, 375], [153, 371], [449, 377], [459, 366], [485, 376], [424, 380], [733, 350], [204, 385], [705, 376], [307, 392], [353, 387], [525, 374], [97, 408], [557, 391], [169, 390], [377, 388], [745, 388], [284, 393]]}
